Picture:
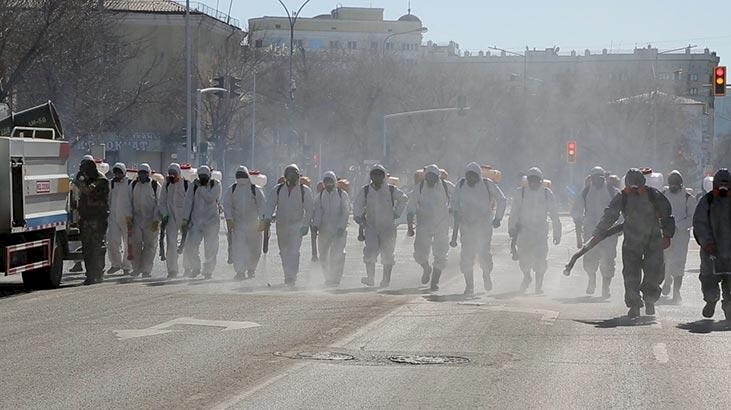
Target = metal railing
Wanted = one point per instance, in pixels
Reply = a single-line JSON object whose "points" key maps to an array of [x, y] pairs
{"points": [[196, 6]]}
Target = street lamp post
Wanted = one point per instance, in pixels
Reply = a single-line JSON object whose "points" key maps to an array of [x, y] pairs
{"points": [[383, 53], [292, 17], [388, 37]]}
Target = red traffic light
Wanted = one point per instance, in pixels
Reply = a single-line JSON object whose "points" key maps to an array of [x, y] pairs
{"points": [[571, 152], [719, 81]]}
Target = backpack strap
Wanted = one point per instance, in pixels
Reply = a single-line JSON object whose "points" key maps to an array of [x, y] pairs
{"points": [[233, 187], [392, 188]]}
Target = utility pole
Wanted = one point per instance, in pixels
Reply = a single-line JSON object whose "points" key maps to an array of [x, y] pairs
{"points": [[188, 86], [253, 125]]}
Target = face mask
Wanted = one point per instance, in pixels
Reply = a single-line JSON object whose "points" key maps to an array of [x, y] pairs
{"points": [[472, 178], [674, 188], [723, 191], [329, 184], [598, 181], [117, 175], [242, 175], [143, 177], [432, 179], [534, 183], [203, 179]]}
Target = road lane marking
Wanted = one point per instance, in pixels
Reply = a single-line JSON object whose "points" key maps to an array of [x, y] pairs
{"points": [[660, 351], [162, 327]]}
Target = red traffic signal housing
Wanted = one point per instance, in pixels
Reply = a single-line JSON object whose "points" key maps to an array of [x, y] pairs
{"points": [[571, 152], [719, 81]]}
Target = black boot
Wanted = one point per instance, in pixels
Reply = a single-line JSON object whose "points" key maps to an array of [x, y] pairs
{"points": [[426, 273], [677, 283], [726, 306], [649, 308], [469, 284], [709, 309], [387, 269], [435, 279], [634, 312], [370, 278]]}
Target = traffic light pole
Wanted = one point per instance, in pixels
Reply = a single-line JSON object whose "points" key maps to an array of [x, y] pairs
{"points": [[198, 124], [403, 114]]}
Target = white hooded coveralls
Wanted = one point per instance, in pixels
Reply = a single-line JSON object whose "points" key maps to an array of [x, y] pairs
{"points": [[587, 212], [293, 208], [380, 207], [330, 217], [431, 207], [244, 204], [531, 210], [683, 205], [146, 219], [172, 204], [201, 204], [120, 211], [476, 207]]}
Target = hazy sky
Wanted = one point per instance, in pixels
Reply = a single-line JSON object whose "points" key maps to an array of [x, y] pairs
{"points": [[569, 24]]}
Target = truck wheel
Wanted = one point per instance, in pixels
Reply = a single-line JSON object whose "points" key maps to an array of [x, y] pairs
{"points": [[46, 278]]}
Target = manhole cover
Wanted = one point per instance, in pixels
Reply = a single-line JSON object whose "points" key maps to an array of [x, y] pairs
{"points": [[325, 356], [415, 359]]}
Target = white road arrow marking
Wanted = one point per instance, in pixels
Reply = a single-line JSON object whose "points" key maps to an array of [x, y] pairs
{"points": [[162, 327], [660, 351]]}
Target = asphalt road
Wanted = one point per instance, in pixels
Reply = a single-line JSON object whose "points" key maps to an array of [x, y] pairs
{"points": [[162, 344]]}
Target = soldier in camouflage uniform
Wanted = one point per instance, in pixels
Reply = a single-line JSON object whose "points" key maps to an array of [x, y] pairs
{"points": [[93, 212]]}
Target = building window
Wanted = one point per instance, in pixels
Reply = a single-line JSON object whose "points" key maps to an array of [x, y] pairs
{"points": [[258, 44], [299, 44], [352, 45], [334, 44], [693, 91], [277, 26], [694, 77], [389, 46], [374, 45], [677, 75]]}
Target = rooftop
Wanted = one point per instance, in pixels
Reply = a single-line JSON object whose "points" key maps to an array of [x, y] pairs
{"points": [[171, 7]]}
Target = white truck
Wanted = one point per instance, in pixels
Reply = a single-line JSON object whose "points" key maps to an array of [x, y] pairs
{"points": [[35, 189]]}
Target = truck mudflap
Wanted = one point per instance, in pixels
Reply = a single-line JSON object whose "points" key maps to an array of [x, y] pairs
{"points": [[16, 256]]}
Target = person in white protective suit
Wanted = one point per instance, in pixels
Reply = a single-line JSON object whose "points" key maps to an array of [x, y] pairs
{"points": [[377, 206], [532, 206], [120, 221], [291, 203], [479, 207], [243, 205], [146, 220], [172, 202], [683, 205], [330, 218], [430, 204], [202, 221], [587, 211]]}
